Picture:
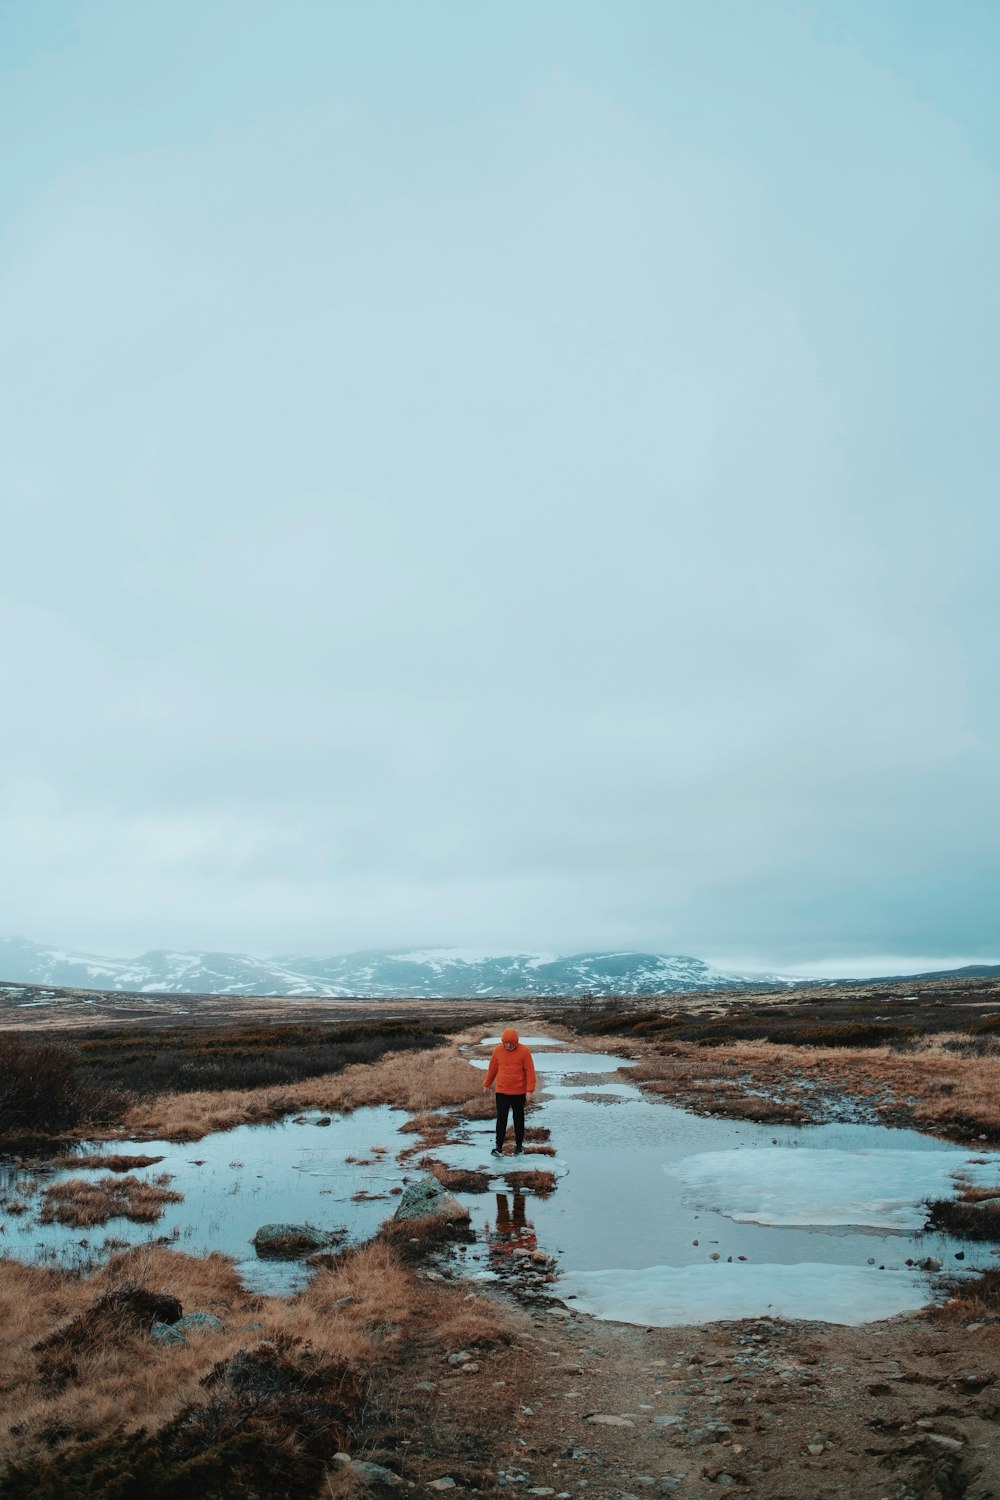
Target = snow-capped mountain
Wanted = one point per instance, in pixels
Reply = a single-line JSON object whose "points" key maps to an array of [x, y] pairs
{"points": [[429, 973]]}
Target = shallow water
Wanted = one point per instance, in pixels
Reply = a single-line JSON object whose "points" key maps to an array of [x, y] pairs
{"points": [[233, 1182], [825, 1216], [817, 1211]]}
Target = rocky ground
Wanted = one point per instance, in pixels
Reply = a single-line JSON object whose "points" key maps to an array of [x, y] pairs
{"points": [[573, 1407]]}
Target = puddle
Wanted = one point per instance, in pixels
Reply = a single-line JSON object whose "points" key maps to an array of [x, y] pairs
{"points": [[232, 1183], [812, 1221], [826, 1216]]}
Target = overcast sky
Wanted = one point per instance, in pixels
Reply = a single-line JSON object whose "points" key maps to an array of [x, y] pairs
{"points": [[514, 475]]}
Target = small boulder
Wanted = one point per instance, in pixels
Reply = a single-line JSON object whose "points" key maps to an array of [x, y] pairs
{"points": [[290, 1241], [427, 1199], [176, 1333]]}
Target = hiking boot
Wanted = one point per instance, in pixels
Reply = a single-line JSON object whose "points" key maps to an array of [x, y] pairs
{"points": [[496, 1151], [518, 1150]]}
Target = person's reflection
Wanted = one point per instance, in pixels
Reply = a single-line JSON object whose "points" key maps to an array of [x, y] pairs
{"points": [[513, 1231]]}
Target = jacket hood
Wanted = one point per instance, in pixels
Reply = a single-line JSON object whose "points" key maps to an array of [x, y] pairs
{"points": [[510, 1035]]}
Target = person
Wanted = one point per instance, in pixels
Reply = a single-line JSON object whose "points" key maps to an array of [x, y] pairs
{"points": [[512, 1067]]}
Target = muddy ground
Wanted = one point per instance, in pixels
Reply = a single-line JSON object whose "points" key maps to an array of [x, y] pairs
{"points": [[763, 1408]]}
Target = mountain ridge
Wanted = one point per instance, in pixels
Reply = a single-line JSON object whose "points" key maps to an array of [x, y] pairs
{"points": [[425, 973]]}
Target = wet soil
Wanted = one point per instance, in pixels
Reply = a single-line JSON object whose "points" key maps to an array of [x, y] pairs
{"points": [[764, 1408]]}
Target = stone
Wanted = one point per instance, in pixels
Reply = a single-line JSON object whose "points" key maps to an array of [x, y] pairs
{"points": [[377, 1473], [952, 1445], [176, 1333], [167, 1333], [815, 1449], [426, 1198], [444, 1483], [290, 1241], [602, 1420], [666, 1420], [326, 1120], [200, 1322]]}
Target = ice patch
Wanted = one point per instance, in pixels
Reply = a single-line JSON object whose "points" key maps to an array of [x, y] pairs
{"points": [[871, 1189], [664, 1296]]}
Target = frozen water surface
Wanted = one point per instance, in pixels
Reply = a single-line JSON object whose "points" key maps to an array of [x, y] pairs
{"points": [[825, 1215], [647, 1194]]}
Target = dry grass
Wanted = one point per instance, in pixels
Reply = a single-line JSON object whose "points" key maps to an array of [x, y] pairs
{"points": [[456, 1179], [929, 1085], [82, 1204], [974, 1219], [360, 1310], [976, 1298], [531, 1181], [417, 1084], [108, 1160]]}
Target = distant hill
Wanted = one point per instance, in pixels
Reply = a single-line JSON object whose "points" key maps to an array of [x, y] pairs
{"points": [[430, 973]]}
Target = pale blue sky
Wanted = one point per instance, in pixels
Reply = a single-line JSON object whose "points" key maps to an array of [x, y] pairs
{"points": [[513, 476]]}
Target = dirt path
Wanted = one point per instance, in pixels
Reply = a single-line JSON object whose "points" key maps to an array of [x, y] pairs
{"points": [[769, 1409]]}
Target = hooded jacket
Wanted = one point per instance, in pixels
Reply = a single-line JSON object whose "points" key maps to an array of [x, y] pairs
{"points": [[513, 1071]]}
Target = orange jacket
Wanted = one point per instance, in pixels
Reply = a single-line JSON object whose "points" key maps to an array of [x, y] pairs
{"points": [[513, 1071]]}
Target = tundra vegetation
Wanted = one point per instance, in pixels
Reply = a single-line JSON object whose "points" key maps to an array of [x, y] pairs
{"points": [[378, 1356]]}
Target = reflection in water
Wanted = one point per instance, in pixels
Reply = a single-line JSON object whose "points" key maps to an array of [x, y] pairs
{"points": [[513, 1230]]}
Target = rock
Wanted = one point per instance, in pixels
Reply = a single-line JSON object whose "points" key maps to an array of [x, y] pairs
{"points": [[665, 1420], [471, 1367], [202, 1322], [599, 1419], [166, 1333], [377, 1473], [815, 1449], [542, 1259], [427, 1199], [444, 1483], [952, 1445], [929, 1263], [326, 1120], [195, 1322], [290, 1241], [462, 1357]]}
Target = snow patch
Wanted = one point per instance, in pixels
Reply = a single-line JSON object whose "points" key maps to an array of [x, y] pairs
{"points": [[665, 1296], [806, 1187]]}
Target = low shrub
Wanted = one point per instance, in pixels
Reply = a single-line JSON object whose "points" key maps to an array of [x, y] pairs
{"points": [[39, 1091], [271, 1418]]}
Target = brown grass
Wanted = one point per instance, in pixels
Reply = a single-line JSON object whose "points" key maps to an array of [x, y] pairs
{"points": [[417, 1084], [954, 1095], [969, 1220], [978, 1297], [456, 1179], [532, 1181], [364, 1308], [83, 1204], [110, 1161]]}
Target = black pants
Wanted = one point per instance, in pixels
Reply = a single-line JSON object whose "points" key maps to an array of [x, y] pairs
{"points": [[507, 1104]]}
